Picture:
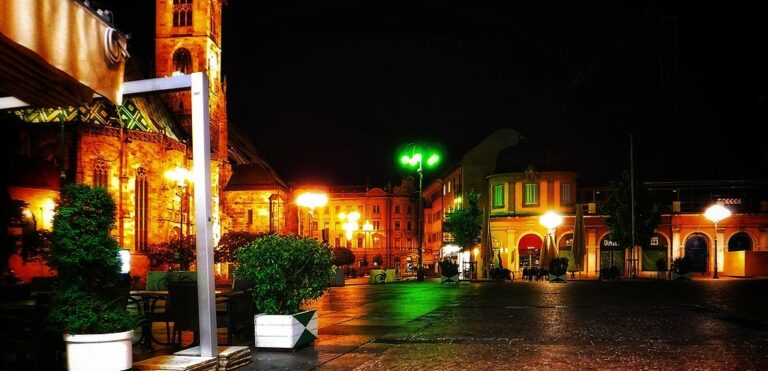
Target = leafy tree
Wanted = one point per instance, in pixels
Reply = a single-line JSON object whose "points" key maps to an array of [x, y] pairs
{"points": [[619, 214], [465, 223], [229, 243], [343, 256]]}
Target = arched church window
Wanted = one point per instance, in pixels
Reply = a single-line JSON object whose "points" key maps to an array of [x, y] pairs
{"points": [[182, 13], [182, 60]]}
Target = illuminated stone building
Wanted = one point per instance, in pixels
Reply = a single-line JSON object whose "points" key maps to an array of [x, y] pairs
{"points": [[390, 212], [131, 149]]}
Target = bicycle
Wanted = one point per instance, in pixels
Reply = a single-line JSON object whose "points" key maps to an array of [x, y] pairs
{"points": [[380, 277]]}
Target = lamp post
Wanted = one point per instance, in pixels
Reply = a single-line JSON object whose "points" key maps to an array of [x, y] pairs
{"points": [[413, 158], [716, 213], [311, 200], [180, 175], [551, 220]]}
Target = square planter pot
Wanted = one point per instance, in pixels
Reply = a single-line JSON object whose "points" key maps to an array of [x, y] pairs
{"points": [[451, 279], [558, 279], [99, 351], [285, 331]]}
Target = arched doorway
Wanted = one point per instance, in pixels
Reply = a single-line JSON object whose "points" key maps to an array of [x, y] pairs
{"points": [[611, 254], [529, 249], [696, 249], [565, 249]]}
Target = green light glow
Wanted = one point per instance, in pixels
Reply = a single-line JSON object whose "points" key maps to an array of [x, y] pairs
{"points": [[405, 159], [433, 159]]}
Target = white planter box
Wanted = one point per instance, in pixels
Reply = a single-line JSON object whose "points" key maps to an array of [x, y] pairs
{"points": [[452, 279], [285, 331], [560, 279], [99, 351]]}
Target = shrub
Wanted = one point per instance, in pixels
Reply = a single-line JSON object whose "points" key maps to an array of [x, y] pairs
{"points": [[90, 296], [229, 243], [448, 268], [558, 266], [343, 256], [285, 271], [179, 253]]}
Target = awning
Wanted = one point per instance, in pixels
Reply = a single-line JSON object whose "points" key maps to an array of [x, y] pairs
{"points": [[58, 53]]}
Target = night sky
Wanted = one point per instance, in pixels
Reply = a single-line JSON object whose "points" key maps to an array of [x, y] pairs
{"points": [[328, 90]]}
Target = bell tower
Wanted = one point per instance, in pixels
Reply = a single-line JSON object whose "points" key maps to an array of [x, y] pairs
{"points": [[188, 39]]}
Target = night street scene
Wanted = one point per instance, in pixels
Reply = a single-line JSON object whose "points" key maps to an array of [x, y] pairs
{"points": [[415, 185]]}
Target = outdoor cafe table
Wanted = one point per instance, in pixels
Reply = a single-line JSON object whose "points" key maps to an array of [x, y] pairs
{"points": [[146, 298]]}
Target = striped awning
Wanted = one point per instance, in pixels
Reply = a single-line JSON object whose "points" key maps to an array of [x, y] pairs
{"points": [[58, 53]]}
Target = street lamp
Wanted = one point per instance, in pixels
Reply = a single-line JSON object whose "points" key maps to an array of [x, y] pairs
{"points": [[716, 213], [311, 200], [413, 158], [180, 176], [551, 220]]}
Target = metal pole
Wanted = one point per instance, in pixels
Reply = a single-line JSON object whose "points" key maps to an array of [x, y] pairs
{"points": [[201, 154], [714, 276], [418, 222]]}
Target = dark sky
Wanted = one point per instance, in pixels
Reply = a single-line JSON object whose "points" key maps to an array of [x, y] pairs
{"points": [[328, 90]]}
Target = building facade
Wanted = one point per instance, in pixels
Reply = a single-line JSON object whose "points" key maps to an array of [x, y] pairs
{"points": [[390, 214]]}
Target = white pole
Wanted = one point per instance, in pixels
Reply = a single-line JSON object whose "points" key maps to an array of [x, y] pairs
{"points": [[201, 156]]}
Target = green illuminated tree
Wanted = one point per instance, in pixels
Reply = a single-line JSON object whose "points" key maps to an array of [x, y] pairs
{"points": [[465, 223], [619, 214]]}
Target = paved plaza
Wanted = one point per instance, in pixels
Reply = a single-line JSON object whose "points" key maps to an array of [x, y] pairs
{"points": [[630, 325]]}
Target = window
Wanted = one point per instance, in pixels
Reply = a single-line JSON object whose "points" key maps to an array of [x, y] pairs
{"points": [[360, 210], [338, 210], [498, 196], [360, 243], [142, 209], [376, 224], [397, 225], [101, 175], [409, 225], [182, 13], [326, 224], [740, 242], [531, 194], [250, 216], [337, 225], [565, 194], [182, 60], [338, 242], [409, 210], [449, 186], [397, 209], [410, 243], [398, 243], [376, 209]]}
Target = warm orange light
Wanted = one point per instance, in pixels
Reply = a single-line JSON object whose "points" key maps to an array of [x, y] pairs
{"points": [[312, 200], [476, 251], [179, 175]]}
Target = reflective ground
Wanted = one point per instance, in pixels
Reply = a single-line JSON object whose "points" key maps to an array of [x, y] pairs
{"points": [[522, 325]]}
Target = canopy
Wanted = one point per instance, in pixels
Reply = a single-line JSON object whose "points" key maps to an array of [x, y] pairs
{"points": [[579, 247], [58, 53]]}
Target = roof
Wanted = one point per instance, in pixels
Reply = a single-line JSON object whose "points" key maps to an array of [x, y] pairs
{"points": [[249, 177]]}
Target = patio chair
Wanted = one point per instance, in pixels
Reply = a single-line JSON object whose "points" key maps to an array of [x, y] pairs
{"points": [[183, 303]]}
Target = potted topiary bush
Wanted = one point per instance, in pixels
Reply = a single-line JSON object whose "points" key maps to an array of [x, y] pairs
{"points": [[286, 272], [558, 268], [89, 295], [449, 271]]}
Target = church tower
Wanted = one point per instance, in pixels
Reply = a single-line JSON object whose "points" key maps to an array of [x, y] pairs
{"points": [[188, 39]]}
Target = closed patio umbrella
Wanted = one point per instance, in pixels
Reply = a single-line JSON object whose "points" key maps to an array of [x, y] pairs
{"points": [[546, 252], [579, 244]]}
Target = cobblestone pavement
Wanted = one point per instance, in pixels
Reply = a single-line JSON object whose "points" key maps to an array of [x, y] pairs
{"points": [[629, 325]]}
